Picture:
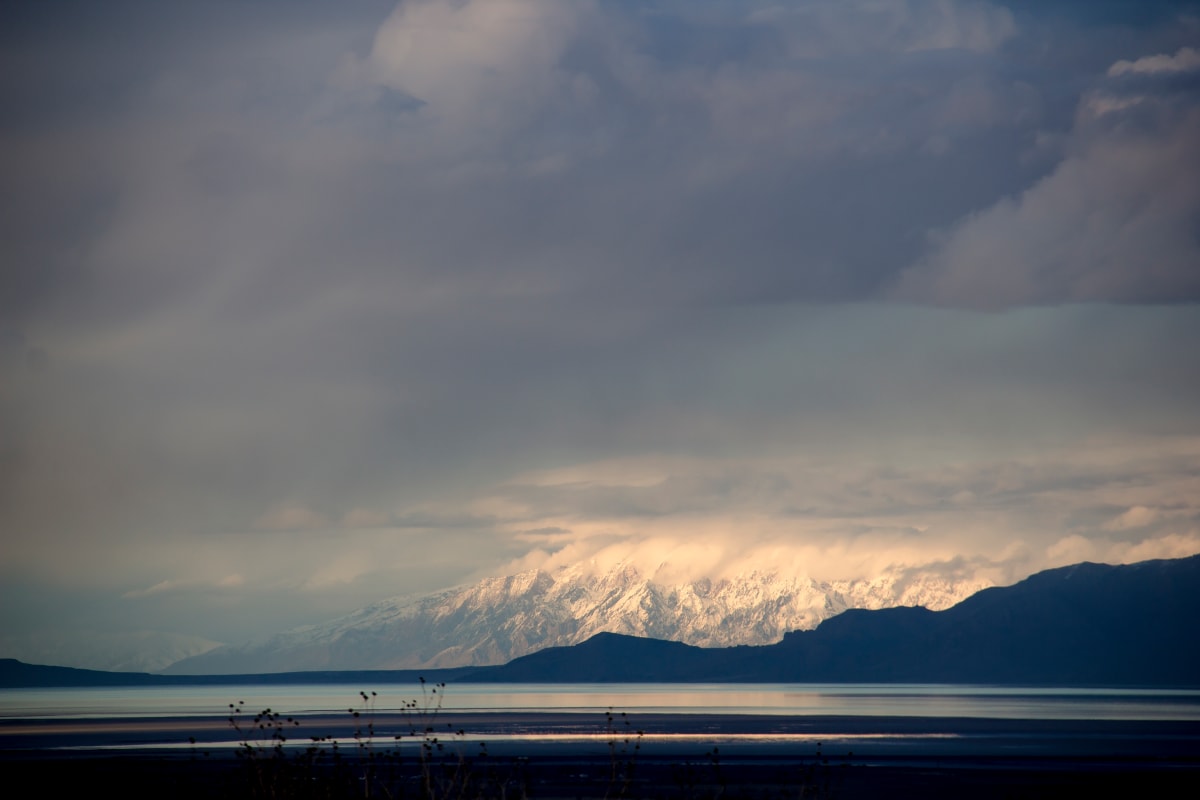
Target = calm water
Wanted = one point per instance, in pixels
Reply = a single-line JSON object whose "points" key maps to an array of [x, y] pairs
{"points": [[980, 702]]}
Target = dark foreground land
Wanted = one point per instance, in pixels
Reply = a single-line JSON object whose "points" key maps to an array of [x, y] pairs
{"points": [[582, 776], [567, 755]]}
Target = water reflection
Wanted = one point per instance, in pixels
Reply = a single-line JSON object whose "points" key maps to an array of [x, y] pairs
{"points": [[763, 699]]}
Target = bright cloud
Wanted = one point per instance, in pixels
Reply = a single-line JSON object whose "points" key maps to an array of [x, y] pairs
{"points": [[1185, 60]]}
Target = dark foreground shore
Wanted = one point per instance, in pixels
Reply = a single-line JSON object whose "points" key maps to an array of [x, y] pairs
{"points": [[581, 776], [572, 755]]}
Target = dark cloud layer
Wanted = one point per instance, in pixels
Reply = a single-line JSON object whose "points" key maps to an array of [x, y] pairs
{"points": [[302, 302]]}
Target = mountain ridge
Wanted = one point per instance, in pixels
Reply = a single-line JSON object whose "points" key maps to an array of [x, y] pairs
{"points": [[497, 619], [1087, 624], [1083, 625]]}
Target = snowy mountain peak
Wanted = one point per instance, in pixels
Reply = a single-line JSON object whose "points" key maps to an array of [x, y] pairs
{"points": [[501, 618]]}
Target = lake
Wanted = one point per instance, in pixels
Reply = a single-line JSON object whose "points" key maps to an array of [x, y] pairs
{"points": [[875, 700], [871, 718]]}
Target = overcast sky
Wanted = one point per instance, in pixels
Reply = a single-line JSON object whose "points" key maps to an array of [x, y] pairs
{"points": [[305, 304]]}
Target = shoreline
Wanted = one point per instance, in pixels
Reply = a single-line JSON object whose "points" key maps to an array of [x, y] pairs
{"points": [[576, 755], [891, 739]]}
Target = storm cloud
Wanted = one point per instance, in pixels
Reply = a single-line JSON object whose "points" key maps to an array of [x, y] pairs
{"points": [[304, 304]]}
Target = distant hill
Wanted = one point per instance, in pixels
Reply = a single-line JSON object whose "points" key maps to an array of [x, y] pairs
{"points": [[16, 674], [1088, 624], [125, 651]]}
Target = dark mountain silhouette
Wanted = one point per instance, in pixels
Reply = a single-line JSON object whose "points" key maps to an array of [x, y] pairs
{"points": [[1087, 624], [16, 674]]}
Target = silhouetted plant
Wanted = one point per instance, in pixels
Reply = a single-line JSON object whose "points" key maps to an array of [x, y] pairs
{"points": [[439, 770], [261, 749], [427, 761], [624, 743], [444, 773]]}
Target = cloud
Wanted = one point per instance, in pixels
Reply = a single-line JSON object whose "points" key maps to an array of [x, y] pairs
{"points": [[1114, 221], [364, 518], [1185, 60], [232, 581], [814, 29], [290, 518], [1136, 517], [158, 588], [848, 518], [352, 300], [455, 57], [1075, 549]]}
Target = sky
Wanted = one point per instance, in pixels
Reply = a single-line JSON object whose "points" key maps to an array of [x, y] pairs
{"points": [[307, 304]]}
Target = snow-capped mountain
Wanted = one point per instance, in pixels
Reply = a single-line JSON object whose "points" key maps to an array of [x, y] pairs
{"points": [[498, 619]]}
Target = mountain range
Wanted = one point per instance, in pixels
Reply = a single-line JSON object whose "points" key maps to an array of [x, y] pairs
{"points": [[499, 619], [1083, 625], [1087, 624]]}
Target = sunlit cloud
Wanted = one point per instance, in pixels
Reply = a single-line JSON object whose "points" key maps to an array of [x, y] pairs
{"points": [[834, 520]]}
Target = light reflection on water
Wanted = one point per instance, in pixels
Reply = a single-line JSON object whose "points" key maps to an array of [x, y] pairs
{"points": [[890, 700]]}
